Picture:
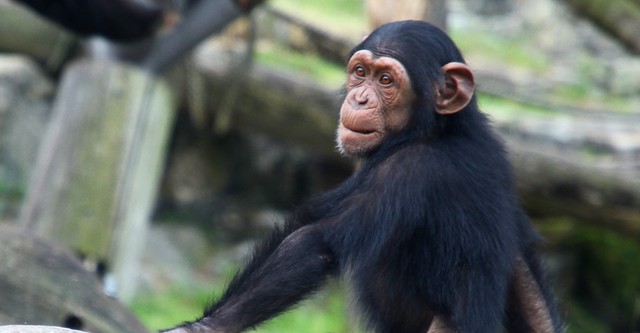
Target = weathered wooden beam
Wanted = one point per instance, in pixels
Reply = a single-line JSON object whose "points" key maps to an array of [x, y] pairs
{"points": [[98, 169], [42, 283]]}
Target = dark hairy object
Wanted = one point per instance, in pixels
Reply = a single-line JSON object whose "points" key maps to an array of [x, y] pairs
{"points": [[428, 233], [121, 20]]}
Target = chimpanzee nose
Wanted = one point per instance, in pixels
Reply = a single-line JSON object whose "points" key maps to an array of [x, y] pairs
{"points": [[361, 98]]}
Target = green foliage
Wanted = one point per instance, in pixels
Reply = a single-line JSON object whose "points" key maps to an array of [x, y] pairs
{"points": [[598, 280], [8, 192], [611, 263], [10, 197], [582, 321]]}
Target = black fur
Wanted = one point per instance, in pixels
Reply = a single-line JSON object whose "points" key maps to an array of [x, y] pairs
{"points": [[122, 20], [430, 224]]}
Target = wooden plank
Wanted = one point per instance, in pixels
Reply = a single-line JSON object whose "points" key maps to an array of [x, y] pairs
{"points": [[100, 163]]}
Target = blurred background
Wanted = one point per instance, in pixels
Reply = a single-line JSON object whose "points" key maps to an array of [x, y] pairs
{"points": [[160, 174]]}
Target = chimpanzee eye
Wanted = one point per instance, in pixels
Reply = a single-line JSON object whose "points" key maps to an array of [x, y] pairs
{"points": [[386, 79], [359, 71]]}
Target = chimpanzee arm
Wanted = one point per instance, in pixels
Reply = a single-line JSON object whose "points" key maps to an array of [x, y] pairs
{"points": [[531, 308], [270, 283], [115, 19], [528, 311]]}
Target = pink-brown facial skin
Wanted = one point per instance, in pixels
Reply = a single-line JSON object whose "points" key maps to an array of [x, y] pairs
{"points": [[378, 102]]}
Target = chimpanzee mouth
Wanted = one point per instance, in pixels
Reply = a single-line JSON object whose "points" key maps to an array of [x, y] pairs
{"points": [[361, 131]]}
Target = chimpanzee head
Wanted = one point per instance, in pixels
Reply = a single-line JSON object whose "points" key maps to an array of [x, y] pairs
{"points": [[404, 78]]}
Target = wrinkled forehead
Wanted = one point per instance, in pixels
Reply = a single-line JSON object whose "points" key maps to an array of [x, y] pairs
{"points": [[377, 60], [381, 50]]}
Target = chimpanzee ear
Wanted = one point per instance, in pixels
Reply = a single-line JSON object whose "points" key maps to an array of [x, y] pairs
{"points": [[457, 90]]}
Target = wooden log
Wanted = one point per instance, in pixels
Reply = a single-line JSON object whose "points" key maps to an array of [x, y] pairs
{"points": [[22, 31], [42, 283], [98, 169], [570, 180]]}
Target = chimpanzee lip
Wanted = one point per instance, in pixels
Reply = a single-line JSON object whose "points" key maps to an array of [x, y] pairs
{"points": [[360, 130]]}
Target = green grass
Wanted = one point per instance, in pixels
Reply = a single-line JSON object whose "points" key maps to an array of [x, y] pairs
{"points": [[169, 308], [322, 313], [326, 312]]}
